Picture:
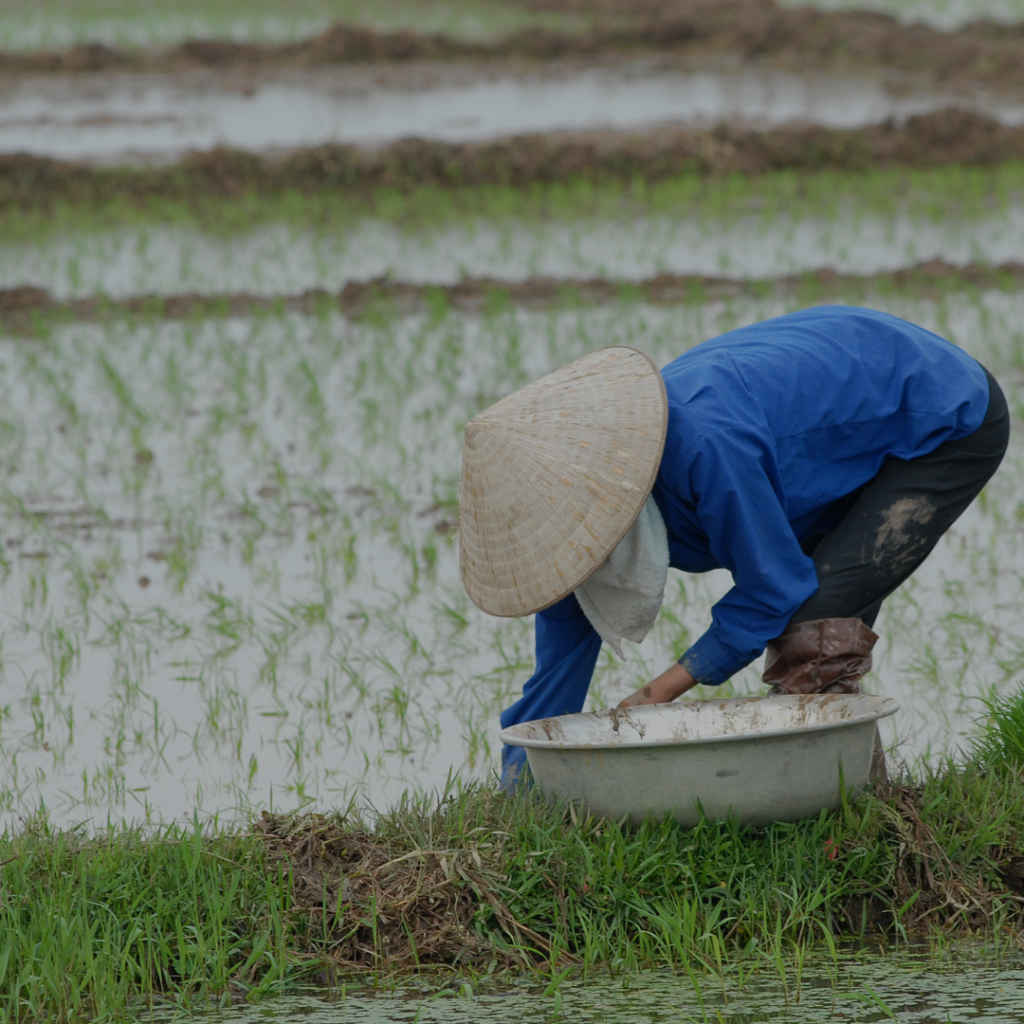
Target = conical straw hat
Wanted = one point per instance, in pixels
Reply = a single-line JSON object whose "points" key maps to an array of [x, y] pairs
{"points": [[554, 475]]}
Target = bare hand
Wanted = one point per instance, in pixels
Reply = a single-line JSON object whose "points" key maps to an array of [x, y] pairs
{"points": [[669, 685]]}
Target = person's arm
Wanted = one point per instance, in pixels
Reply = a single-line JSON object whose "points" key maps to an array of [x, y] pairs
{"points": [[740, 503], [672, 683], [734, 484]]}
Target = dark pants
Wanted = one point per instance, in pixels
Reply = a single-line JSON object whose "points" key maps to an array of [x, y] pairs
{"points": [[892, 523]]}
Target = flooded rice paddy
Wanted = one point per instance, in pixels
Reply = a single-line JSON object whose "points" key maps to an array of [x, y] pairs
{"points": [[228, 558], [280, 259], [158, 117], [229, 578]]}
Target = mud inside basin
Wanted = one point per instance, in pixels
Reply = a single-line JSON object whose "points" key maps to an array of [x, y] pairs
{"points": [[757, 759]]}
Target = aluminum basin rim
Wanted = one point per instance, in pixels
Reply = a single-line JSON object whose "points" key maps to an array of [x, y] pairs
{"points": [[889, 706]]}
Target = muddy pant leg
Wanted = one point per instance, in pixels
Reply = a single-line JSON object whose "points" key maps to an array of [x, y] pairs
{"points": [[897, 518]]}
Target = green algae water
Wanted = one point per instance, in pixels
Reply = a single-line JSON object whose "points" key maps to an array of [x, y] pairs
{"points": [[867, 987]]}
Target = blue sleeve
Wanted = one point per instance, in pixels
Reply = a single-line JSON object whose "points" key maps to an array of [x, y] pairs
{"points": [[567, 649], [736, 484]]}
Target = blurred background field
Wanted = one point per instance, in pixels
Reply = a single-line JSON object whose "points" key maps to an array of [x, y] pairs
{"points": [[233, 402], [51, 23], [36, 24]]}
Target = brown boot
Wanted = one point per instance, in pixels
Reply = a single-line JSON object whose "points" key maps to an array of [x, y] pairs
{"points": [[821, 656]]}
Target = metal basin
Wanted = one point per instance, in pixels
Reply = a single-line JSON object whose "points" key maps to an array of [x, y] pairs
{"points": [[757, 759]]}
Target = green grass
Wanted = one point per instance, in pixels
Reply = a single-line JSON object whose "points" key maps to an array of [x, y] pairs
{"points": [[1002, 744], [105, 925], [98, 927]]}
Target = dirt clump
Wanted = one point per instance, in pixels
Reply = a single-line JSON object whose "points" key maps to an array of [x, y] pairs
{"points": [[363, 903], [351, 44], [367, 905], [17, 302]]}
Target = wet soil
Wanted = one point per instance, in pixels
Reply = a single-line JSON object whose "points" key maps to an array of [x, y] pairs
{"points": [[751, 30], [421, 902], [950, 136], [28, 310]]}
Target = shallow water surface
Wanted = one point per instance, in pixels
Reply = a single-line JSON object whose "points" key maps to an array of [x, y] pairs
{"points": [[118, 117], [276, 258], [942, 14], [229, 581], [864, 988]]}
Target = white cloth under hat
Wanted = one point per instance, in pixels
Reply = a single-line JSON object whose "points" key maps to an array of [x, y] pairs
{"points": [[622, 597]]}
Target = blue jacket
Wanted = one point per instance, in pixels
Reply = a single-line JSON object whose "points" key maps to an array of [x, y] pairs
{"points": [[769, 427]]}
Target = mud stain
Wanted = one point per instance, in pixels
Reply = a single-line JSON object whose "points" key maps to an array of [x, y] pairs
{"points": [[893, 540]]}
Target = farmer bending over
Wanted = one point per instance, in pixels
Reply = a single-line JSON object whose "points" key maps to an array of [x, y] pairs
{"points": [[818, 457]]}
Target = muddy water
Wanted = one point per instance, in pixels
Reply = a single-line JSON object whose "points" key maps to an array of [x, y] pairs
{"points": [[230, 580], [276, 259], [118, 117], [919, 989]]}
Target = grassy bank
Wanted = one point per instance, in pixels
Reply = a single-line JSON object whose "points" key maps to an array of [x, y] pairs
{"points": [[102, 925]]}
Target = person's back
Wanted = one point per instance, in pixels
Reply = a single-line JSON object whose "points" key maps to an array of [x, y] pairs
{"points": [[833, 386]]}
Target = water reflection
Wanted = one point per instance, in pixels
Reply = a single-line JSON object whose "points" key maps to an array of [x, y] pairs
{"points": [[147, 117]]}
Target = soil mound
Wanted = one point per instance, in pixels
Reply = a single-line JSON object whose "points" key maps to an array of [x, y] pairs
{"points": [[930, 140], [368, 905], [27, 310], [751, 30]]}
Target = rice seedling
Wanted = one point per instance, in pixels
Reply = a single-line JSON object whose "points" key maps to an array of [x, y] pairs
{"points": [[632, 230]]}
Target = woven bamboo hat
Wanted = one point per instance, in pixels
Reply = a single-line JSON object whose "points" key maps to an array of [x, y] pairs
{"points": [[554, 475]]}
